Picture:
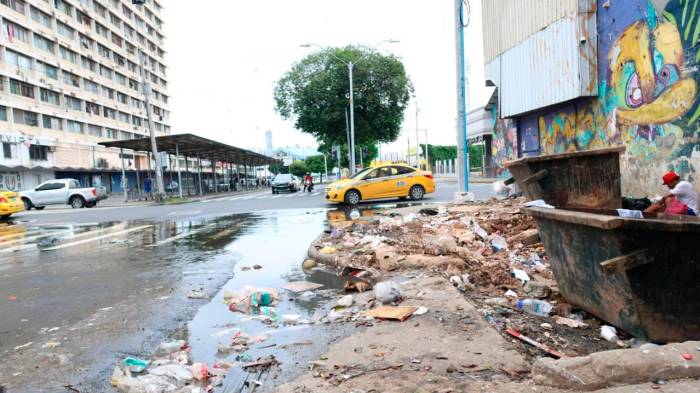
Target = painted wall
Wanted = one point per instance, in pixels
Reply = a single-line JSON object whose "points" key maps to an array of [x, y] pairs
{"points": [[648, 94]]}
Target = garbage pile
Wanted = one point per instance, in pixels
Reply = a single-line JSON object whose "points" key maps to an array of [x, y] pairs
{"points": [[490, 251]]}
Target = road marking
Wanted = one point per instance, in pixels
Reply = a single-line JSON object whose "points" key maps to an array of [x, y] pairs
{"points": [[32, 238], [94, 239], [185, 213], [77, 235], [276, 196], [263, 197]]}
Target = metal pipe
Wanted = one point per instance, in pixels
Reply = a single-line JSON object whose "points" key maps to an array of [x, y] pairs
{"points": [[462, 144], [177, 164]]}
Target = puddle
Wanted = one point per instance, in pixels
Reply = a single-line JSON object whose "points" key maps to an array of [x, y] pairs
{"points": [[278, 242]]}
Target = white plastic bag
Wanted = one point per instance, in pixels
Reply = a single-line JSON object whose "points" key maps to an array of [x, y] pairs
{"points": [[387, 292]]}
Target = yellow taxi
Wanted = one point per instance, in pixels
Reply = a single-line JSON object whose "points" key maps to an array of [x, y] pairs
{"points": [[381, 182], [10, 203]]}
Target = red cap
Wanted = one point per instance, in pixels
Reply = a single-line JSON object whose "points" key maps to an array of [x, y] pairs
{"points": [[671, 176]]}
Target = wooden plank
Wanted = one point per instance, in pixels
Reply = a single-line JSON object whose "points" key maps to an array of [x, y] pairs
{"points": [[626, 262]]}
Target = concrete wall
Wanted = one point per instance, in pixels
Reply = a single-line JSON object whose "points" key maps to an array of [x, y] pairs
{"points": [[648, 94]]}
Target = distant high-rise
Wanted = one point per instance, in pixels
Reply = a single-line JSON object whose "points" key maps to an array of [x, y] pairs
{"points": [[70, 77], [268, 144]]}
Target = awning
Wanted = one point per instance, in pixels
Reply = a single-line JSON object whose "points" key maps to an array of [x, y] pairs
{"points": [[192, 146]]}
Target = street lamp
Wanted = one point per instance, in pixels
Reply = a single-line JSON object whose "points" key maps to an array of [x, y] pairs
{"points": [[351, 66]]}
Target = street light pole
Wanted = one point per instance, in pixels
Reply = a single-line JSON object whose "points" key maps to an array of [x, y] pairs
{"points": [[352, 121]]}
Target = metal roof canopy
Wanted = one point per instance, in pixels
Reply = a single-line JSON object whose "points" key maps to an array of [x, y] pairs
{"points": [[192, 146]]}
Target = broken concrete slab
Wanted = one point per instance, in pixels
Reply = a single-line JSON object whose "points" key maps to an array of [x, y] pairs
{"points": [[625, 366], [526, 238]]}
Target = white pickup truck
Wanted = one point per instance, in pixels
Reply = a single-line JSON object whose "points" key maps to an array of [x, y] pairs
{"points": [[62, 192]]}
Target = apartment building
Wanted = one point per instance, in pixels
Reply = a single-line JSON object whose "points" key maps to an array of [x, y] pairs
{"points": [[70, 77]]}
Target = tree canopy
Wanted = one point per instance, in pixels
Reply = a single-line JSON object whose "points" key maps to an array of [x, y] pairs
{"points": [[298, 168], [315, 94]]}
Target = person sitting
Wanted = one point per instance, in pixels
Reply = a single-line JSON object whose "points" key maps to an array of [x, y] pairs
{"points": [[682, 199]]}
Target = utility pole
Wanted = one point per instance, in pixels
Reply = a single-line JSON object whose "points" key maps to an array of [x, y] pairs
{"points": [[146, 86], [417, 137], [347, 131], [352, 121], [427, 155], [462, 147]]}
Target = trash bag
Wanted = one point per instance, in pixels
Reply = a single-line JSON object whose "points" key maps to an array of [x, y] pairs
{"points": [[251, 297], [387, 292], [635, 203], [176, 372]]}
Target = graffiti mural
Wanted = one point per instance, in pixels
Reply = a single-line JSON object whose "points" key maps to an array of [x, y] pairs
{"points": [[648, 93], [505, 145]]}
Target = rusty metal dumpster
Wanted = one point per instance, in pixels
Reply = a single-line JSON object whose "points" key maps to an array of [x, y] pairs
{"points": [[641, 275], [587, 179]]}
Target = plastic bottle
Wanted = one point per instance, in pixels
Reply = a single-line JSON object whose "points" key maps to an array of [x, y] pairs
{"points": [[534, 307]]}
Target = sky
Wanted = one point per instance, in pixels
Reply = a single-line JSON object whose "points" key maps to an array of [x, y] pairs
{"points": [[224, 57]]}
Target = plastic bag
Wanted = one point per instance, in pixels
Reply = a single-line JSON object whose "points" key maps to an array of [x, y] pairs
{"points": [[177, 372], [387, 292], [251, 297], [200, 371]]}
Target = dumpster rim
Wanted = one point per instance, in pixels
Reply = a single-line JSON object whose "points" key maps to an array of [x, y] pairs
{"points": [[575, 154], [608, 222]]}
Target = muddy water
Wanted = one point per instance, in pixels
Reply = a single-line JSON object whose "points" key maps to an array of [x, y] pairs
{"points": [[278, 243]]}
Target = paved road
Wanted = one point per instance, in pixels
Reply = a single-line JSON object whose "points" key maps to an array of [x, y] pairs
{"points": [[253, 202]]}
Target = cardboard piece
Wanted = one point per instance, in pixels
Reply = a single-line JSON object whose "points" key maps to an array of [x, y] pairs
{"points": [[301, 286], [400, 313]]}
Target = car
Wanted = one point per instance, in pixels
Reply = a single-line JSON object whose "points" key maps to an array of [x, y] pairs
{"points": [[62, 192], [285, 182], [382, 182], [10, 203]]}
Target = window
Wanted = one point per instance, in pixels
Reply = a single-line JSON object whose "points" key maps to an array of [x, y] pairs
{"points": [[41, 153], [119, 60], [136, 103], [127, 12], [25, 117], [101, 30], [50, 186], [105, 72], [117, 40], [74, 126], [71, 79], [50, 96], [65, 31], [109, 113], [40, 17], [74, 103], [63, 7], [3, 113], [95, 130], [21, 88], [402, 170], [121, 79], [69, 55], [126, 135], [88, 64], [52, 123], [103, 51], [135, 120], [86, 42], [133, 85], [131, 49], [9, 150], [133, 67], [48, 70], [90, 86], [92, 108], [123, 117], [115, 20], [21, 61], [85, 3], [122, 98], [111, 134], [107, 92], [14, 31], [44, 44], [85, 20], [100, 10], [128, 31], [17, 5]]}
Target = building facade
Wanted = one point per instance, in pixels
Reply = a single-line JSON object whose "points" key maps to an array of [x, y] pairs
{"points": [[576, 75], [71, 75]]}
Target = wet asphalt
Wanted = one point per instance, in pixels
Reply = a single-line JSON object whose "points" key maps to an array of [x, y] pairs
{"points": [[105, 288]]}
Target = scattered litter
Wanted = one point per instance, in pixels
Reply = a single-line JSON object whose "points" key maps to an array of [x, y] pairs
{"points": [[498, 243], [309, 264], [177, 372], [355, 214], [23, 346], [521, 275], [197, 294], [135, 365], [537, 289], [245, 268], [51, 344], [346, 301], [387, 292], [250, 297], [337, 233], [546, 326], [687, 356], [12, 298], [534, 343], [200, 371], [421, 310], [609, 333], [630, 213], [349, 271], [328, 250], [534, 307], [166, 348], [428, 211], [511, 293], [569, 322], [400, 313], [290, 319], [409, 218], [538, 203], [357, 285], [301, 286], [479, 231]]}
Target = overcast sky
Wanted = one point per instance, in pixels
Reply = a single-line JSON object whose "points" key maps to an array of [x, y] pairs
{"points": [[225, 56]]}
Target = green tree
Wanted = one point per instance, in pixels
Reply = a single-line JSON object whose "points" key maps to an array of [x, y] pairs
{"points": [[314, 93], [441, 153], [298, 168], [278, 168], [315, 164]]}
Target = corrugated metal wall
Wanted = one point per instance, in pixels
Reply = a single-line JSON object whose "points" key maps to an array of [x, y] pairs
{"points": [[509, 22]]}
